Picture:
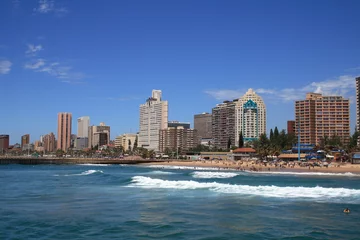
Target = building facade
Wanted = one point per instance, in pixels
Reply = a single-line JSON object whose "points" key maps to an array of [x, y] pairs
{"points": [[81, 143], [250, 112], [126, 140], [49, 143], [4, 143], [83, 124], [357, 80], [321, 116], [153, 118], [178, 139], [25, 139], [223, 124], [291, 127], [203, 125], [64, 131], [97, 140]]}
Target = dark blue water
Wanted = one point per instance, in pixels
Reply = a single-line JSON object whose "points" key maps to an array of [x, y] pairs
{"points": [[126, 202]]}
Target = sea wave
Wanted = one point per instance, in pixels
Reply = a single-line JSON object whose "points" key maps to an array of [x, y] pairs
{"points": [[347, 174], [88, 172], [161, 173], [183, 167], [318, 193], [214, 174], [94, 164]]}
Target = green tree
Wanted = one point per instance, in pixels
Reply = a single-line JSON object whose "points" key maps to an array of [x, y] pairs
{"points": [[229, 144], [241, 140], [352, 146], [135, 143], [129, 144], [271, 135]]}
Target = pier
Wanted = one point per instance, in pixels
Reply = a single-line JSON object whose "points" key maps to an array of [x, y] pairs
{"points": [[54, 160]]}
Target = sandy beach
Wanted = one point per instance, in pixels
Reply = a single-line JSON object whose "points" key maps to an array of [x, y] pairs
{"points": [[252, 166]]}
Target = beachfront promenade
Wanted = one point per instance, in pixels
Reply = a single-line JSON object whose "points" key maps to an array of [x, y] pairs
{"points": [[55, 160]]}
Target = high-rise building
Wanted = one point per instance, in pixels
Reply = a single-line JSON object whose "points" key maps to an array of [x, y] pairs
{"points": [[357, 80], [25, 139], [153, 118], [49, 142], [203, 125], [83, 124], [250, 116], [321, 116], [178, 139], [223, 124], [126, 140], [97, 139], [291, 126], [64, 131], [4, 143]]}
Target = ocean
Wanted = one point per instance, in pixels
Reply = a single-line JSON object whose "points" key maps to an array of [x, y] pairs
{"points": [[165, 202]]}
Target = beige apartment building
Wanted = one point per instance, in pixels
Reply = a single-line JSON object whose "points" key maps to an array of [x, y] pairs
{"points": [[153, 118], [49, 142], [126, 141], [99, 135], [177, 138], [319, 116], [64, 131]]}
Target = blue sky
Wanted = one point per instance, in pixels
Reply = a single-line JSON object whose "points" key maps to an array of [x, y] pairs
{"points": [[102, 58]]}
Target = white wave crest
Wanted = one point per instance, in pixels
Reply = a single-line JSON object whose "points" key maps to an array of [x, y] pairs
{"points": [[319, 193], [183, 167], [88, 172], [347, 174], [214, 174], [161, 173]]}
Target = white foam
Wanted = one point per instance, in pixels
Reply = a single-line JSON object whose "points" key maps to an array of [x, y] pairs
{"points": [[94, 164], [183, 167], [318, 193], [347, 174], [214, 174], [88, 172], [161, 173]]}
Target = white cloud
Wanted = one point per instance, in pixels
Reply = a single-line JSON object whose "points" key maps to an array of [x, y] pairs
{"points": [[343, 86], [49, 6], [5, 66], [35, 64], [33, 50]]}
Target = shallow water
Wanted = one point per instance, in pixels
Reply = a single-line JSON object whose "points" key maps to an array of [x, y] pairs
{"points": [[156, 202]]}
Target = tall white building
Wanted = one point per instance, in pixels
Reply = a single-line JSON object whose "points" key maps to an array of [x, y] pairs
{"points": [[83, 126], [250, 116], [153, 118]]}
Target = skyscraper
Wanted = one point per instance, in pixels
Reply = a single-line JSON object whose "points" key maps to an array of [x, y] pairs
{"points": [[321, 116], [49, 142], [223, 124], [64, 131], [25, 139], [357, 80], [250, 116], [203, 125], [153, 118], [83, 124], [4, 143]]}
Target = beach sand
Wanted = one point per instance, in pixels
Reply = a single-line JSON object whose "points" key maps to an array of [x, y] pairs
{"points": [[250, 165]]}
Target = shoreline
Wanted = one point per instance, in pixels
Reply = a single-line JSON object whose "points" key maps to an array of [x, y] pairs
{"points": [[249, 166]]}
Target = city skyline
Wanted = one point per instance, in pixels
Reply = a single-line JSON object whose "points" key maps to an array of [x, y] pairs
{"points": [[197, 54]]}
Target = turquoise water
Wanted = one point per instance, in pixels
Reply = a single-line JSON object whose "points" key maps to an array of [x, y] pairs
{"points": [[127, 202]]}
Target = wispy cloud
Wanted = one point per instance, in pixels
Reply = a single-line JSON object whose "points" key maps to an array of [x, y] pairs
{"points": [[49, 6], [354, 69], [16, 3], [343, 86], [5, 66], [36, 64], [33, 50]]}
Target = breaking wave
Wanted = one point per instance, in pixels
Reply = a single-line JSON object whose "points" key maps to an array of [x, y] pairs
{"points": [[347, 174], [318, 193], [88, 172], [94, 164], [214, 174], [183, 167], [161, 173]]}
